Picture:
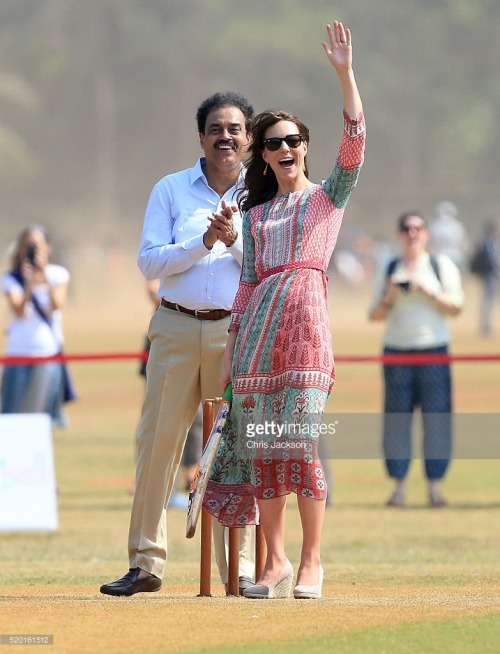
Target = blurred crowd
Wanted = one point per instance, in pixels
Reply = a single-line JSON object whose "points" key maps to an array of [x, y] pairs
{"points": [[360, 254]]}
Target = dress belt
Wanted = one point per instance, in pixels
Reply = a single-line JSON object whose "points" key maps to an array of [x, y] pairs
{"points": [[201, 314], [295, 265]]}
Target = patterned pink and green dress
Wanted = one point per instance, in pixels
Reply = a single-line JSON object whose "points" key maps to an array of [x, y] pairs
{"points": [[283, 366]]}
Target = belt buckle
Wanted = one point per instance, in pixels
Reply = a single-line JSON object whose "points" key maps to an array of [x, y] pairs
{"points": [[202, 311]]}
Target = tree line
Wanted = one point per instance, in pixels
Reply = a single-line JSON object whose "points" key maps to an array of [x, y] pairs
{"points": [[99, 99]]}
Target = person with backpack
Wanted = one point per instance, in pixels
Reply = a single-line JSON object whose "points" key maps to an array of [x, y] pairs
{"points": [[416, 294], [36, 292], [485, 263]]}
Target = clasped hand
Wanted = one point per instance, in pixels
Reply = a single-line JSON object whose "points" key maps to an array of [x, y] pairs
{"points": [[221, 226]]}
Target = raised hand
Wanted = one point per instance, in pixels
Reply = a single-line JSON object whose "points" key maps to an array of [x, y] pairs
{"points": [[338, 50], [339, 53]]}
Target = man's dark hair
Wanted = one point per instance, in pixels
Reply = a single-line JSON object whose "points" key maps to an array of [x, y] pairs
{"points": [[220, 100]]}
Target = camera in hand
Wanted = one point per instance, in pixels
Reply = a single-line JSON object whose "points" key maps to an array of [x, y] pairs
{"points": [[31, 254], [404, 286]]}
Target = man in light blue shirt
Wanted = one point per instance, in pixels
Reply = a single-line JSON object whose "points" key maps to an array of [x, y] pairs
{"points": [[192, 242]]}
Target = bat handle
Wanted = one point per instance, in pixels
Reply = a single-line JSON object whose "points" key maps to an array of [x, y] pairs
{"points": [[227, 394]]}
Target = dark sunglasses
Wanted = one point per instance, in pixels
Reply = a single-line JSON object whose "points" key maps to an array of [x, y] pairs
{"points": [[409, 228], [274, 143]]}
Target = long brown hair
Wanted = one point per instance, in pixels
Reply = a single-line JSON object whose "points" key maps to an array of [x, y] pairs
{"points": [[260, 188], [15, 255]]}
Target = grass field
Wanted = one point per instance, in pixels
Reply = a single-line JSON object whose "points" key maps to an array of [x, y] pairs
{"points": [[416, 580]]}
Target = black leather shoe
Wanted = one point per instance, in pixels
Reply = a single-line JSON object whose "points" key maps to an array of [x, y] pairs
{"points": [[130, 584]]}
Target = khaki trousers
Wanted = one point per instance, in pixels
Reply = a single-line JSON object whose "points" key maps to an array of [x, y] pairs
{"points": [[183, 369]]}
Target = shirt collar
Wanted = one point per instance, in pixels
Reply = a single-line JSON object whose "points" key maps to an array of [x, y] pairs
{"points": [[197, 173]]}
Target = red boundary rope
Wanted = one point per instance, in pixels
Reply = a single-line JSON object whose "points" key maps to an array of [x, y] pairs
{"points": [[416, 359]]}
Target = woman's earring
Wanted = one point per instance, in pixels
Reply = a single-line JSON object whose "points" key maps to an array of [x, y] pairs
{"points": [[265, 169]]}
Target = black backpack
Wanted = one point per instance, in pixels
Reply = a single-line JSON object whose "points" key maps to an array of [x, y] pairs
{"points": [[394, 262], [481, 263]]}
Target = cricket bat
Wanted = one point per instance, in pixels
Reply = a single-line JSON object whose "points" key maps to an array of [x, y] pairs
{"points": [[202, 474]]}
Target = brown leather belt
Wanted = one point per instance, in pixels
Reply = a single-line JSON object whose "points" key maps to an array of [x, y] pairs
{"points": [[201, 314]]}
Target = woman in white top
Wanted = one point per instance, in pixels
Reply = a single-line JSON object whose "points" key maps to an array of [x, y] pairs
{"points": [[36, 291], [416, 294]]}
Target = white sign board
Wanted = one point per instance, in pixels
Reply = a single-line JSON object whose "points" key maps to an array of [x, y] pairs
{"points": [[28, 499]]}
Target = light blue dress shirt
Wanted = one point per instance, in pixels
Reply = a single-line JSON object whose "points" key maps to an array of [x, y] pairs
{"points": [[172, 247]]}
